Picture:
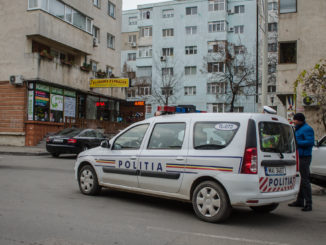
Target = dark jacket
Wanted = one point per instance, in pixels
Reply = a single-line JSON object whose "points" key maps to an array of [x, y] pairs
{"points": [[304, 135]]}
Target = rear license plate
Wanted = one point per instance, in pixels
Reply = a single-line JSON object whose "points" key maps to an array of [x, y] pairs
{"points": [[275, 171], [58, 141], [277, 183]]}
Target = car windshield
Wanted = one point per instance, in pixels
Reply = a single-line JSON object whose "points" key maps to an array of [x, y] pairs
{"points": [[276, 137], [69, 132]]}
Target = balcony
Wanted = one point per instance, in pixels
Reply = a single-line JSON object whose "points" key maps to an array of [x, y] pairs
{"points": [[49, 29]]}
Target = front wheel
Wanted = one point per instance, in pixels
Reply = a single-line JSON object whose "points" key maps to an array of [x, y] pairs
{"points": [[265, 208], [88, 182], [210, 202]]}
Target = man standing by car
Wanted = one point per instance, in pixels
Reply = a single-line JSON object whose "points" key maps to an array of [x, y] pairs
{"points": [[304, 135]]}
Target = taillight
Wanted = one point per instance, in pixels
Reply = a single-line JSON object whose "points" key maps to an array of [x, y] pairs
{"points": [[250, 163], [297, 159], [72, 141]]}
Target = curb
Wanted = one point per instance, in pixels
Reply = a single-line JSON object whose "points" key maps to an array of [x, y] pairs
{"points": [[24, 153]]}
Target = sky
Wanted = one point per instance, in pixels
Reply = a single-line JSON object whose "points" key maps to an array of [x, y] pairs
{"points": [[132, 4]]}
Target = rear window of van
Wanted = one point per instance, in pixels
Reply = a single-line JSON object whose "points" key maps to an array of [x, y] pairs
{"points": [[276, 137], [214, 135]]}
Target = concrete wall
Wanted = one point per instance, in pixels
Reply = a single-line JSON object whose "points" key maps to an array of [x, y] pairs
{"points": [[306, 27]]}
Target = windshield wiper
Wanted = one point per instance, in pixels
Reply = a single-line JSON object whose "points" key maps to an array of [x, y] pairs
{"points": [[209, 146]]}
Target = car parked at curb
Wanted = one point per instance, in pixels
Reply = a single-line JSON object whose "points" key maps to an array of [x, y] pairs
{"points": [[73, 140], [318, 162], [216, 161]]}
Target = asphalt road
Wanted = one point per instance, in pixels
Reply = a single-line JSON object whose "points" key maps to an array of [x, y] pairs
{"points": [[40, 204]]}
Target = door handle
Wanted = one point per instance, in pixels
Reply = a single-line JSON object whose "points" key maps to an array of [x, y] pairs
{"points": [[133, 158], [180, 159]]}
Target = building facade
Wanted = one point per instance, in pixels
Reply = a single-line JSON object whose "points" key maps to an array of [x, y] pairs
{"points": [[50, 50], [301, 45], [183, 45]]}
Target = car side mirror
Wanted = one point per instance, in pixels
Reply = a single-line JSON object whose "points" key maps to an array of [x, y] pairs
{"points": [[105, 144]]}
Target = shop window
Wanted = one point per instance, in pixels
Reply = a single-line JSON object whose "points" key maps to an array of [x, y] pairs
{"points": [[42, 104], [56, 105], [81, 101]]}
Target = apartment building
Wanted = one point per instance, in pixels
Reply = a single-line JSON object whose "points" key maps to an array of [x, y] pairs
{"points": [[301, 45], [49, 51], [183, 40]]}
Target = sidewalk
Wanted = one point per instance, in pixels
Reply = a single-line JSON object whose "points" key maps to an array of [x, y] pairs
{"points": [[23, 150]]}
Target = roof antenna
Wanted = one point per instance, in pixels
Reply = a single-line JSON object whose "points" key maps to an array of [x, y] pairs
{"points": [[269, 110]]}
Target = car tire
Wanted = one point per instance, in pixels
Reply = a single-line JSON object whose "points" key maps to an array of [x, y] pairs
{"points": [[265, 208], [88, 182], [210, 202], [55, 154]]}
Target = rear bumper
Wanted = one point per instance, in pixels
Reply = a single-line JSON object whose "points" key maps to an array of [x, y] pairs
{"points": [[245, 192], [55, 148]]}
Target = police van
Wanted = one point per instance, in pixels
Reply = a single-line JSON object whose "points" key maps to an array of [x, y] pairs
{"points": [[214, 160]]}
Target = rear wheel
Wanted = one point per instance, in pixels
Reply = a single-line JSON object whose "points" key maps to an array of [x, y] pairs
{"points": [[55, 154], [210, 202], [88, 182], [265, 208]]}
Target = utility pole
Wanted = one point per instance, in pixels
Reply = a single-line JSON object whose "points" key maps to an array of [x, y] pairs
{"points": [[264, 5]]}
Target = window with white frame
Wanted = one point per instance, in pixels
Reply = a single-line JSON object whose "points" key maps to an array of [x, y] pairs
{"points": [[111, 9], [216, 88], [216, 107], [168, 32], [288, 6], [216, 26], [239, 9], [239, 29], [145, 51], [145, 14], [110, 41], [191, 50], [239, 49], [191, 30], [191, 10], [97, 3], [167, 91], [190, 90], [133, 20], [94, 66], [215, 46], [64, 12], [271, 68], [238, 109], [215, 67], [190, 70], [109, 70], [96, 33], [131, 56], [167, 71], [148, 108], [215, 5], [272, 6], [144, 90], [272, 27], [168, 13], [145, 31], [272, 47], [167, 51], [132, 38], [131, 92], [271, 88]]}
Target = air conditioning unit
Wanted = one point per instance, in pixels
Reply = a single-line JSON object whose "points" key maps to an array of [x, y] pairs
{"points": [[231, 29], [231, 11], [133, 44], [95, 42], [16, 80], [163, 58], [309, 100]]}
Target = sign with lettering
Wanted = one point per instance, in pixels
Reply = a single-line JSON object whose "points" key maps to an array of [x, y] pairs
{"points": [[109, 83], [139, 103]]}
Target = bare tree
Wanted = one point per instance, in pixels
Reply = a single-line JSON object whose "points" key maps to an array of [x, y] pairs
{"points": [[230, 64], [167, 81], [314, 83]]}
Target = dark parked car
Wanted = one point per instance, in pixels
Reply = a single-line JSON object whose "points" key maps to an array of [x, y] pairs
{"points": [[73, 140]]}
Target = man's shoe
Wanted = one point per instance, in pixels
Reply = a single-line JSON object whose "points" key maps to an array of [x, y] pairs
{"points": [[307, 208], [296, 204]]}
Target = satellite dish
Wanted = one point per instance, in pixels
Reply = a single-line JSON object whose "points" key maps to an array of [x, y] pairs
{"points": [[269, 110]]}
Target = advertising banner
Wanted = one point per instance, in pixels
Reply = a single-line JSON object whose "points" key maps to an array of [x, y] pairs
{"points": [[30, 110], [70, 107], [56, 102], [109, 83]]}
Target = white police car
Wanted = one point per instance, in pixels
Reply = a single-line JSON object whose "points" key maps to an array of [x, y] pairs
{"points": [[214, 160]]}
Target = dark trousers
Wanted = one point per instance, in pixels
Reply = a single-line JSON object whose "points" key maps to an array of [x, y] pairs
{"points": [[304, 196]]}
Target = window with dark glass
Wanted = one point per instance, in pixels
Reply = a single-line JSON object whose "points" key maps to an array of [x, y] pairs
{"points": [[131, 139], [288, 52], [167, 136], [288, 6]]}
